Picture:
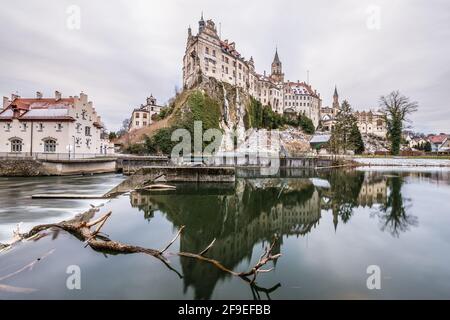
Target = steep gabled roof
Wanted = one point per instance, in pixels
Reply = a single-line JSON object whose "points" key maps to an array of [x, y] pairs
{"points": [[39, 109]]}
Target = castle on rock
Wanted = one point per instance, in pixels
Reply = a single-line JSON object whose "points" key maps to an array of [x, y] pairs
{"points": [[207, 54]]}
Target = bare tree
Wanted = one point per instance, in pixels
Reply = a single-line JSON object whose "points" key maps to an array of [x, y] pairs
{"points": [[397, 108]]}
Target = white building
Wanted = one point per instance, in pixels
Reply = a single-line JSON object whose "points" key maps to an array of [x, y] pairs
{"points": [[207, 55], [369, 122], [59, 125], [142, 116]]}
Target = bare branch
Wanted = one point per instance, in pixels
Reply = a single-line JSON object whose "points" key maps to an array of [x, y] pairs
{"points": [[173, 240], [207, 248], [28, 266]]}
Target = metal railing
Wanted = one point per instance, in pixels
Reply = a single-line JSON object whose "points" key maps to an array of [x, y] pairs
{"points": [[51, 156]]}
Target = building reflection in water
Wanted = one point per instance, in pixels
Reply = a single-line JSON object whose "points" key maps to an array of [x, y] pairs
{"points": [[251, 211]]}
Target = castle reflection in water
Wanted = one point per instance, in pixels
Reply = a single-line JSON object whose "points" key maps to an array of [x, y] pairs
{"points": [[250, 211]]}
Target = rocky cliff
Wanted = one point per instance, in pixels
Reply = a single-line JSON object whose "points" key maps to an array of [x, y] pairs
{"points": [[241, 119]]}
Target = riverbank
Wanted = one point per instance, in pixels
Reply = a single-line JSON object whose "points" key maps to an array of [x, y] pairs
{"points": [[402, 161], [34, 168]]}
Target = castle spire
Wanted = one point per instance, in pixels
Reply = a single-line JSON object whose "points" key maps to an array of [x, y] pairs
{"points": [[201, 24], [335, 98], [276, 59], [277, 68]]}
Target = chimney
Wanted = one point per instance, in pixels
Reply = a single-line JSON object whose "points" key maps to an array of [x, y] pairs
{"points": [[5, 102], [38, 95], [57, 95]]}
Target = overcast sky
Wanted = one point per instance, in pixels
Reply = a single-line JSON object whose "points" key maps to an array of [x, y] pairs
{"points": [[125, 50]]}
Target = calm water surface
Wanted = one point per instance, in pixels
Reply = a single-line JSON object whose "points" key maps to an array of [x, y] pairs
{"points": [[332, 226]]}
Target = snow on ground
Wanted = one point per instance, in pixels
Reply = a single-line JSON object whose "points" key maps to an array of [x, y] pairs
{"points": [[320, 183], [413, 162], [404, 169]]}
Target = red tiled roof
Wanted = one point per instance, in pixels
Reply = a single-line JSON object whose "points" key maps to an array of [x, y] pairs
{"points": [[26, 103], [39, 109], [438, 139]]}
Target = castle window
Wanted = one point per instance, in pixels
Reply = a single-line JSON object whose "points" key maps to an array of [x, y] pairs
{"points": [[144, 123], [137, 123], [59, 127], [137, 114], [214, 53], [87, 131], [40, 127], [24, 127], [145, 115], [8, 126], [50, 145], [16, 145], [207, 50]]}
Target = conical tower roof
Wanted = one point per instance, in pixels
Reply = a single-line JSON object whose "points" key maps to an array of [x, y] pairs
{"points": [[276, 59]]}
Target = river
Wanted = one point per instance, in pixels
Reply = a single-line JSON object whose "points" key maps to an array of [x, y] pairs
{"points": [[334, 227]]}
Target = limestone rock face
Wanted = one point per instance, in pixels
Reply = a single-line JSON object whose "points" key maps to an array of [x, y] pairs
{"points": [[228, 108]]}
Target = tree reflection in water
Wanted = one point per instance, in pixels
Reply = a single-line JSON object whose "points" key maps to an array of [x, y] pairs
{"points": [[249, 212], [393, 214]]}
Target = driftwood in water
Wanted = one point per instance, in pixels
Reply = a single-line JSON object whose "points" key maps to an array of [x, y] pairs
{"points": [[249, 275], [29, 266], [157, 187], [90, 232]]}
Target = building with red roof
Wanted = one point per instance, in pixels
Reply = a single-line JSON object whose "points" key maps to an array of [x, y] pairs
{"points": [[51, 125]]}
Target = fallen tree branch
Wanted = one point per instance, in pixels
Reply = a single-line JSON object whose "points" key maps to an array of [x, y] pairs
{"points": [[266, 257], [173, 240], [207, 248], [81, 226], [29, 266]]}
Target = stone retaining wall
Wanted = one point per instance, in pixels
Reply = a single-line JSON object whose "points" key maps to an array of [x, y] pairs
{"points": [[22, 168]]}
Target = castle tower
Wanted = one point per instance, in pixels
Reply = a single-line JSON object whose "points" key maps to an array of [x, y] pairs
{"points": [[201, 24], [151, 101], [335, 99], [277, 68]]}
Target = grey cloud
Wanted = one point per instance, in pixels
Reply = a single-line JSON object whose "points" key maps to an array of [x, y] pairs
{"points": [[126, 50]]}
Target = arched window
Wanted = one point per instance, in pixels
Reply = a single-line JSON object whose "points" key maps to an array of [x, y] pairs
{"points": [[16, 145], [50, 145]]}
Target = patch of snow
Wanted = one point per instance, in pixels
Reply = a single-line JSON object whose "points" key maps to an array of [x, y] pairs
{"points": [[403, 162]]}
